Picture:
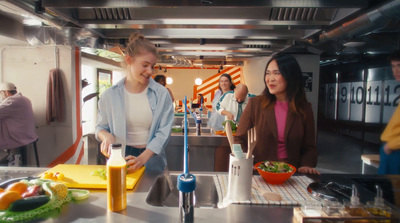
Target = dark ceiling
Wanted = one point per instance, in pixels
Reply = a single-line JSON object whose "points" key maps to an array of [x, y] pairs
{"points": [[225, 30]]}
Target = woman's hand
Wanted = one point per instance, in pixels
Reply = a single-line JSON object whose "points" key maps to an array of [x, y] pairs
{"points": [[386, 149], [107, 140], [306, 169], [133, 163]]}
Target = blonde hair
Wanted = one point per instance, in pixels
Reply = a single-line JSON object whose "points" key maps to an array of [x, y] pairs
{"points": [[137, 44]]}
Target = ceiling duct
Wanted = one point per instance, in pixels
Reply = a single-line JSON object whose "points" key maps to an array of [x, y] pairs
{"points": [[372, 20], [45, 35]]}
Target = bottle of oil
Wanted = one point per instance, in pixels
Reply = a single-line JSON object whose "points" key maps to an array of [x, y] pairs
{"points": [[355, 207], [378, 207], [116, 180]]}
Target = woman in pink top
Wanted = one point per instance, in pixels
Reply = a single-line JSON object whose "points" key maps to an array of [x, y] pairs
{"points": [[283, 118]]}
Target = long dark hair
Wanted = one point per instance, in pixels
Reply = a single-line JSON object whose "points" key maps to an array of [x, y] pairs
{"points": [[291, 72], [231, 86]]}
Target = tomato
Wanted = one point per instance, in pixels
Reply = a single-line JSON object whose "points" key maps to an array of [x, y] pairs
{"points": [[7, 197], [19, 187], [32, 191]]}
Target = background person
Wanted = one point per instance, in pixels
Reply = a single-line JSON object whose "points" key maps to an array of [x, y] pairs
{"points": [[225, 85], [17, 124], [159, 78], [137, 111], [283, 118], [390, 150], [232, 103]]}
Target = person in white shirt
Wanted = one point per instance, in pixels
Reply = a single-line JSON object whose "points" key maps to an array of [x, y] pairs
{"points": [[233, 103]]}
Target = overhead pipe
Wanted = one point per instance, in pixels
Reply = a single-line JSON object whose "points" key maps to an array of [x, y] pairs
{"points": [[372, 20]]}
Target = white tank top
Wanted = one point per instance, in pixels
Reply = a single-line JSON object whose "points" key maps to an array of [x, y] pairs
{"points": [[138, 118]]}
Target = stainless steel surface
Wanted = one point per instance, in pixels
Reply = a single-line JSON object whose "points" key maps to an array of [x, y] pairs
{"points": [[94, 209], [201, 151], [186, 206], [213, 32], [205, 194], [178, 121], [7, 173]]}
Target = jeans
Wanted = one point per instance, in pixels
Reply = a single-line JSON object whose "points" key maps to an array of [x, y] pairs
{"points": [[156, 162], [389, 164], [130, 150]]}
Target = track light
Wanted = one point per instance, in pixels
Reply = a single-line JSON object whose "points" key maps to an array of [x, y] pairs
{"points": [[160, 68], [221, 67], [165, 70]]}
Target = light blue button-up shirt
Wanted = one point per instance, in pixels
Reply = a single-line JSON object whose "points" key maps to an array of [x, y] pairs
{"points": [[111, 117]]}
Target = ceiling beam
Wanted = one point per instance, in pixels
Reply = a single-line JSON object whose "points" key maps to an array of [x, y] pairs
{"points": [[219, 3], [207, 33]]}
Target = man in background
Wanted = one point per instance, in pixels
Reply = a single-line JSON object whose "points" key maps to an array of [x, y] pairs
{"points": [[390, 150], [17, 125], [233, 103]]}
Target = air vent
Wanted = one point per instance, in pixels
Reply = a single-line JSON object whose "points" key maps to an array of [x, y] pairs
{"points": [[258, 46], [293, 14], [112, 13]]}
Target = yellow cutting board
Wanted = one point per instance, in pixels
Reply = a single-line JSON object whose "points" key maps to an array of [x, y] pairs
{"points": [[80, 176]]}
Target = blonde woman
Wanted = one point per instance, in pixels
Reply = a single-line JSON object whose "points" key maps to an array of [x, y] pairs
{"points": [[137, 111]]}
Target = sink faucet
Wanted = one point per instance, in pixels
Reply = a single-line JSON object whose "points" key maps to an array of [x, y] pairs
{"points": [[186, 182], [186, 185]]}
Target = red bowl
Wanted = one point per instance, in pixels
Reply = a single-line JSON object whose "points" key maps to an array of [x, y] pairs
{"points": [[274, 178]]}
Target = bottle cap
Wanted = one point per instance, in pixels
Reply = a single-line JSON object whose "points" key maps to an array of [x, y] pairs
{"points": [[116, 145]]}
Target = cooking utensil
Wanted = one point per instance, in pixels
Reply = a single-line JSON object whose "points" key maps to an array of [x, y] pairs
{"points": [[269, 195], [251, 141], [229, 135]]}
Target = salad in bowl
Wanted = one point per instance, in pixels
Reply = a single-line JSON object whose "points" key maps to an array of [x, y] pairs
{"points": [[275, 172]]}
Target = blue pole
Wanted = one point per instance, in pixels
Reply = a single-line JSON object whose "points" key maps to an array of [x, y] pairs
{"points": [[185, 149]]}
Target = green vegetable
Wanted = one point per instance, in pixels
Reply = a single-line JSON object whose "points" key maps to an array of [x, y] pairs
{"points": [[78, 194], [233, 125], [102, 173], [176, 130], [29, 203], [275, 167]]}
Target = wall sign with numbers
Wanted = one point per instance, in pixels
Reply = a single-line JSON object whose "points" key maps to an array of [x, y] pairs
{"points": [[379, 99]]}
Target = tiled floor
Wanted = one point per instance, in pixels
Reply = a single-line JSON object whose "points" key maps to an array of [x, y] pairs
{"points": [[342, 154]]}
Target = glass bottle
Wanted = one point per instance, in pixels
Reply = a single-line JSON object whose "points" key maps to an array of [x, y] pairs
{"points": [[378, 207], [355, 207], [116, 180]]}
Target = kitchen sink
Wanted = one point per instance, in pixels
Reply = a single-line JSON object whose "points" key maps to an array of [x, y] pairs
{"points": [[205, 194]]}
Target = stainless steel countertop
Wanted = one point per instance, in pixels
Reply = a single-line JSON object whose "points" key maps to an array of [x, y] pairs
{"points": [[94, 209]]}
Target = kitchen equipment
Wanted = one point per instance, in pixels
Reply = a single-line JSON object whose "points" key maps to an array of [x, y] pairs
{"points": [[269, 195], [239, 181], [275, 178], [251, 141], [229, 135], [330, 191], [237, 151], [186, 183], [80, 176]]}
